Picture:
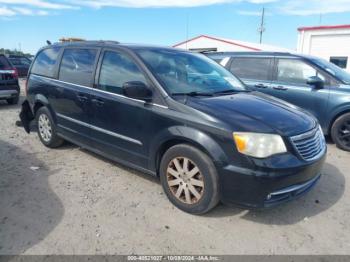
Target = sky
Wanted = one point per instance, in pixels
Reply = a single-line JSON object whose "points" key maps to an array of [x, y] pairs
{"points": [[27, 24]]}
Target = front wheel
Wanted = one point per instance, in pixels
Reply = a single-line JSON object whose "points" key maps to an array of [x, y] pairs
{"points": [[47, 129], [341, 132], [189, 179]]}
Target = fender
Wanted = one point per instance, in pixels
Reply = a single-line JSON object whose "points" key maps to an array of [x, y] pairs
{"points": [[335, 113], [39, 98], [185, 134], [44, 101]]}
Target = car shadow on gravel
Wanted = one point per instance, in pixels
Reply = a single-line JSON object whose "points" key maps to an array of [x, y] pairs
{"points": [[29, 209], [323, 196]]}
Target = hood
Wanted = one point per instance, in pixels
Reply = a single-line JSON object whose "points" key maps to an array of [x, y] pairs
{"points": [[255, 112]]}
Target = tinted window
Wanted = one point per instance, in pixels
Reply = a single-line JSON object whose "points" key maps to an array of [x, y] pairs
{"points": [[77, 66], [20, 61], [116, 69], [4, 63], [45, 62], [251, 68], [295, 71]]}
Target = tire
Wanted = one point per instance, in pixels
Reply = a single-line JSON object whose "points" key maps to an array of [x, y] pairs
{"points": [[47, 129], [340, 132], [205, 182], [13, 100]]}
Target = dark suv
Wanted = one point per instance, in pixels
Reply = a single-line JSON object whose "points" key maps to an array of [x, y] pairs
{"points": [[21, 63], [309, 82], [9, 87], [177, 115]]}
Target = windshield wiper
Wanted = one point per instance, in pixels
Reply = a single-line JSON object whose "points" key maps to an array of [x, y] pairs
{"points": [[192, 94], [229, 91]]}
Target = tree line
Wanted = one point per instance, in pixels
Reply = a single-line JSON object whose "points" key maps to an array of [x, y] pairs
{"points": [[14, 52]]}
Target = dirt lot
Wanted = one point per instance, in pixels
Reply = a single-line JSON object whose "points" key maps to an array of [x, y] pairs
{"points": [[79, 203]]}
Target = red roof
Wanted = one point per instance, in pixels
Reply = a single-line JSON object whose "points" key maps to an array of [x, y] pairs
{"points": [[220, 40], [323, 27]]}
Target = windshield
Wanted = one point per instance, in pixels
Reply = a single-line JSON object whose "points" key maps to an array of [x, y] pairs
{"points": [[189, 73], [333, 70]]}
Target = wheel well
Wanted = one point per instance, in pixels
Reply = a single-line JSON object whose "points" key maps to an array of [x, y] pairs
{"points": [[335, 118], [37, 106], [170, 143]]}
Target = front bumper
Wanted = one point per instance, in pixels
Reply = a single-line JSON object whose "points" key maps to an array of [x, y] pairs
{"points": [[270, 187]]}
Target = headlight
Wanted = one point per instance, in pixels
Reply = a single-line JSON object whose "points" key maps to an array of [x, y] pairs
{"points": [[259, 145]]}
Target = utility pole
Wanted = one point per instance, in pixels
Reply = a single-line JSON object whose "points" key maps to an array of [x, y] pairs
{"points": [[261, 29], [187, 27]]}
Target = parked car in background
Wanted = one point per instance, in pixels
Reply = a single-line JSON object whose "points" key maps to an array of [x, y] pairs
{"points": [[176, 115], [309, 82], [9, 87], [21, 63]]}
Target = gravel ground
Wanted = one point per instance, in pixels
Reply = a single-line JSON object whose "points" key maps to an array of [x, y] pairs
{"points": [[70, 201]]}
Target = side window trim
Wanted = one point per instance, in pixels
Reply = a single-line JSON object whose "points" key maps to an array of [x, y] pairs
{"points": [[60, 58]]}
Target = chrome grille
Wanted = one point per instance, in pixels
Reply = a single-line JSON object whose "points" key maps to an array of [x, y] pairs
{"points": [[310, 145]]}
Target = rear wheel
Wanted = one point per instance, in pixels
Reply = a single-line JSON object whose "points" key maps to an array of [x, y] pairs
{"points": [[47, 129], [13, 100], [341, 132], [189, 179]]}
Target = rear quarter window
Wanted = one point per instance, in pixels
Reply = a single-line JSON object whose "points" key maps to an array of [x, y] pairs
{"points": [[45, 62]]}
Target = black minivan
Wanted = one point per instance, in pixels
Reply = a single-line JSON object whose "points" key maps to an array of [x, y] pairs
{"points": [[177, 115]]}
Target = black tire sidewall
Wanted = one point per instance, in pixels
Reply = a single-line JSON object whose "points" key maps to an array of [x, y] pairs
{"points": [[55, 141], [209, 173], [334, 132]]}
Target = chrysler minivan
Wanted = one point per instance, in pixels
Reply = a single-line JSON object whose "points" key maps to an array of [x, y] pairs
{"points": [[318, 86], [176, 115]]}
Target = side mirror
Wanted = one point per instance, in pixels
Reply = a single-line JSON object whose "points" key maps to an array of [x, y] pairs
{"points": [[316, 82], [137, 90]]}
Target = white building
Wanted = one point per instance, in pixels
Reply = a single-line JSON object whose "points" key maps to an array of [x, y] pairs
{"points": [[211, 43], [329, 42]]}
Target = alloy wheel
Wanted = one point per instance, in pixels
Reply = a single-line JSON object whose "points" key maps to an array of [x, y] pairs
{"points": [[185, 180], [344, 133], [45, 128]]}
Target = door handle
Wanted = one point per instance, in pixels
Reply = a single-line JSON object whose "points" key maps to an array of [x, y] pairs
{"points": [[260, 86], [97, 101], [280, 88], [82, 98]]}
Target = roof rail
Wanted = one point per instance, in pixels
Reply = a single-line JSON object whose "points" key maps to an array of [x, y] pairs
{"points": [[71, 39], [109, 41]]}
